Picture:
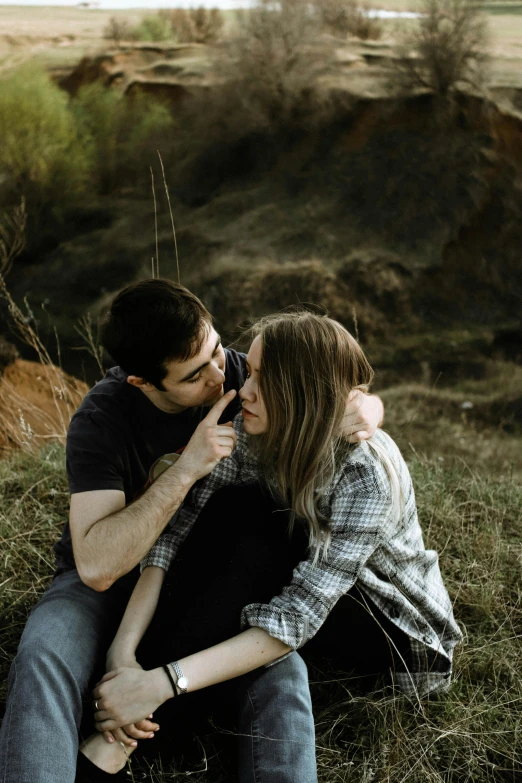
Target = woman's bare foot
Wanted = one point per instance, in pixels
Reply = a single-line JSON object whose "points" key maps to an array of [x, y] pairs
{"points": [[109, 757]]}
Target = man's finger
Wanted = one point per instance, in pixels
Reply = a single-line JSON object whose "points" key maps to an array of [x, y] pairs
{"points": [[134, 733], [124, 738], [147, 725], [358, 424], [106, 725], [215, 412], [357, 437]]}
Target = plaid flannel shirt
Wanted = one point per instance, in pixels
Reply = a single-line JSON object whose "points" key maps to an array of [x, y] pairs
{"points": [[385, 556]]}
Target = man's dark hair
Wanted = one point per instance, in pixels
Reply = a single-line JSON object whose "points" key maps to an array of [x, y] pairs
{"points": [[151, 323]]}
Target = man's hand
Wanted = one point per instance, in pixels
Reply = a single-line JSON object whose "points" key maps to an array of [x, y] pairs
{"points": [[364, 413], [210, 443], [126, 696]]}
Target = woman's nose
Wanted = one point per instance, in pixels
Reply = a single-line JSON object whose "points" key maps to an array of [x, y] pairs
{"points": [[246, 392]]}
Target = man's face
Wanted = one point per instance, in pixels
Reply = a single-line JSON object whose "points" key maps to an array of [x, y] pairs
{"points": [[198, 381]]}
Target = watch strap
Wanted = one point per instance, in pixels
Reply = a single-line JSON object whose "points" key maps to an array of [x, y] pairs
{"points": [[166, 669], [182, 681]]}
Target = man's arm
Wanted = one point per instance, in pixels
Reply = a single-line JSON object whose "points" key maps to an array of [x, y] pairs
{"points": [[364, 414], [109, 538]]}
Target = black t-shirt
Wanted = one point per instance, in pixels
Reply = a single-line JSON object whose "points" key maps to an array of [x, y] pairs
{"points": [[117, 434]]}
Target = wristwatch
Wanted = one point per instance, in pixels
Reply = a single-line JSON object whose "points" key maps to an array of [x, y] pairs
{"points": [[182, 682]]}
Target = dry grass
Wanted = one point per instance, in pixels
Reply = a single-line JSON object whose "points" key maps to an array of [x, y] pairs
{"points": [[470, 515]]}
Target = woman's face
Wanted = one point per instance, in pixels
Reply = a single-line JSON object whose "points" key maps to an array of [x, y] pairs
{"points": [[255, 419]]}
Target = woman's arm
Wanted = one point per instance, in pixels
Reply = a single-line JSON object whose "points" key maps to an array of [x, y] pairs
{"points": [[138, 614], [127, 695]]}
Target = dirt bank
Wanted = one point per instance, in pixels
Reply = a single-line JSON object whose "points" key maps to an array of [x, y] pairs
{"points": [[36, 403]]}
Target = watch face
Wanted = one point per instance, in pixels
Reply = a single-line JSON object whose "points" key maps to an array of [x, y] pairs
{"points": [[182, 683]]}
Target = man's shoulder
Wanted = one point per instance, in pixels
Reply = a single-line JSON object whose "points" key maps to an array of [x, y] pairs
{"points": [[107, 400], [235, 369]]}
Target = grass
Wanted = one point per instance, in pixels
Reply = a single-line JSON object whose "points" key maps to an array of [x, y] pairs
{"points": [[470, 505]]}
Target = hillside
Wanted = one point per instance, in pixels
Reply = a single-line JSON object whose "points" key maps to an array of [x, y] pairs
{"points": [[403, 221]]}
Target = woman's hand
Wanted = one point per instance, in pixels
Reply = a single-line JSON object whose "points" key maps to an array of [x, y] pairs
{"points": [[364, 413], [128, 695], [143, 729]]}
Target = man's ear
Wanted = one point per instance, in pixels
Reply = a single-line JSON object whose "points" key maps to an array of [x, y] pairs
{"points": [[140, 383]]}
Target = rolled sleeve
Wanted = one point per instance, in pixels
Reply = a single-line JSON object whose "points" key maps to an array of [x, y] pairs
{"points": [[358, 515], [162, 553]]}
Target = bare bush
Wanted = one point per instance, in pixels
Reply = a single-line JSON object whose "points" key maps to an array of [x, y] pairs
{"points": [[208, 24], [195, 25], [181, 24], [274, 61], [347, 17], [117, 30], [446, 50]]}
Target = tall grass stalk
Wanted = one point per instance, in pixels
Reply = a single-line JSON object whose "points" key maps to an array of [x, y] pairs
{"points": [[171, 215]]}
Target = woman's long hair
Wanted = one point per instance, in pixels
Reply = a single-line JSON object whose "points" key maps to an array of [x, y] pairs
{"points": [[309, 365]]}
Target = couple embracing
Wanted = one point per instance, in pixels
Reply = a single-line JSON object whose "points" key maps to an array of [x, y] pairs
{"points": [[267, 513]]}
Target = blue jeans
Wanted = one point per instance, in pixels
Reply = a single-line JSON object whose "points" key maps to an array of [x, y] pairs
{"points": [[63, 646]]}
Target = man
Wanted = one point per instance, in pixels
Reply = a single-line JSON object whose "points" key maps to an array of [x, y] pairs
{"points": [[172, 369]]}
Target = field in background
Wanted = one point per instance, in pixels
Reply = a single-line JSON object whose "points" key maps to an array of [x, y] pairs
{"points": [[58, 37]]}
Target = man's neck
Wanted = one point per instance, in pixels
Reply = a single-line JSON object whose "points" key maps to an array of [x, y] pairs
{"points": [[159, 400]]}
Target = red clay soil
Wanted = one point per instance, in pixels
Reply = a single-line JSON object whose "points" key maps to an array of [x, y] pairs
{"points": [[36, 404]]}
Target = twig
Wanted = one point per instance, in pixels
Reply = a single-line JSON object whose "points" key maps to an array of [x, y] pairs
{"points": [[12, 237], [85, 329], [155, 272], [171, 215]]}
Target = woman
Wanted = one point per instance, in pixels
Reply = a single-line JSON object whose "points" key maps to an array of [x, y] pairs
{"points": [[363, 556]]}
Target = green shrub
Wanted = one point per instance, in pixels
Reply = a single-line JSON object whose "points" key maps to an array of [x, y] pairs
{"points": [[121, 134], [153, 27], [40, 155]]}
